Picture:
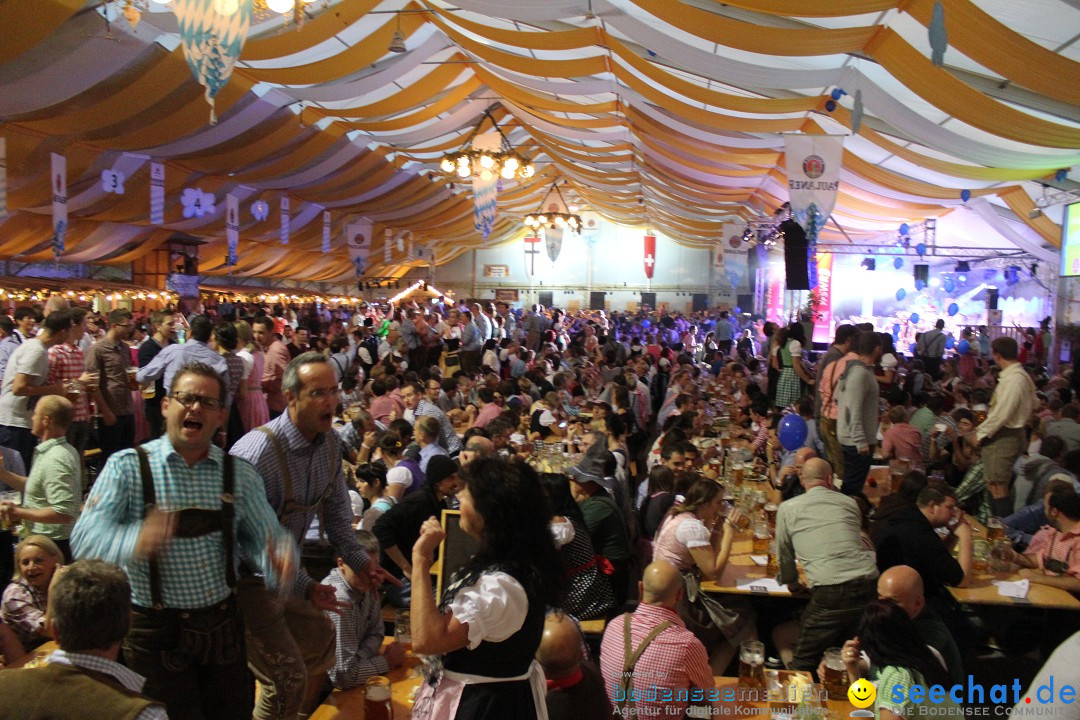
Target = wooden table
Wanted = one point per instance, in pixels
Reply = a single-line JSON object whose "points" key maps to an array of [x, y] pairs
{"points": [[982, 592], [349, 704]]}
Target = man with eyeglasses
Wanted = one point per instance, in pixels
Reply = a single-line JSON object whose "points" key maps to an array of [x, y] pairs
{"points": [[416, 405], [172, 514], [110, 358], [290, 639]]}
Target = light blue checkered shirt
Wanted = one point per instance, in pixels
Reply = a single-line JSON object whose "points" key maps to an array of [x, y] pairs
{"points": [[192, 569]]}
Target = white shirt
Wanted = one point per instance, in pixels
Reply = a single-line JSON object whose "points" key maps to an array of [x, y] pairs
{"points": [[494, 608], [1012, 403]]}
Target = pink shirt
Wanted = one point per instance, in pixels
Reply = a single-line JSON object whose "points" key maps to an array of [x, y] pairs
{"points": [[902, 441], [487, 413], [1050, 543], [382, 406]]}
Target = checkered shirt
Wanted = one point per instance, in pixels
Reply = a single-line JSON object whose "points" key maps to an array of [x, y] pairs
{"points": [[131, 680], [675, 661], [359, 628], [313, 467], [447, 435], [66, 362], [192, 569]]}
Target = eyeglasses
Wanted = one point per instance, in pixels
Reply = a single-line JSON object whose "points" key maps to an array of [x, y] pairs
{"points": [[320, 393], [189, 400]]}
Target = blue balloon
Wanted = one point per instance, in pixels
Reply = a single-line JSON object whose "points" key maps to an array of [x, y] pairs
{"points": [[645, 323], [911, 348], [830, 105], [905, 229], [738, 311], [895, 328], [950, 342], [920, 248], [1060, 175], [901, 294], [964, 347], [953, 309], [898, 263], [792, 431], [919, 284], [836, 94], [914, 317], [949, 285], [965, 195]]}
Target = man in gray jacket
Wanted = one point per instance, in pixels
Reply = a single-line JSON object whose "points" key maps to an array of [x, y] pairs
{"points": [[857, 419]]}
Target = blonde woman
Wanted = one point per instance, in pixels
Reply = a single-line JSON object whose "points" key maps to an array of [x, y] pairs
{"points": [[253, 409], [25, 599]]}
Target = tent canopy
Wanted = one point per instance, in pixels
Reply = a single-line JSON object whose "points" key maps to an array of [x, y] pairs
{"points": [[662, 113]]}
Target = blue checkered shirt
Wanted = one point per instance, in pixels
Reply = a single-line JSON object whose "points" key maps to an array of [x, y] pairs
{"points": [[448, 437], [359, 629], [175, 356], [192, 569], [313, 467]]}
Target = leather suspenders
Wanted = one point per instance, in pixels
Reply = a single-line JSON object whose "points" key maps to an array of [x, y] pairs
{"points": [[631, 656]]}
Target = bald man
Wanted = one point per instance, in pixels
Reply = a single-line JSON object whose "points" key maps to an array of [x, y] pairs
{"points": [[52, 493], [575, 687], [903, 585], [477, 446], [823, 528], [664, 656], [790, 470]]}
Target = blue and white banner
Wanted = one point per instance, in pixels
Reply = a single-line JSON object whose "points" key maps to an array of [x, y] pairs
{"points": [[813, 171], [157, 193], [734, 254], [358, 241], [388, 237], [213, 34], [59, 204], [327, 222], [232, 226], [3, 178], [485, 184], [284, 219]]}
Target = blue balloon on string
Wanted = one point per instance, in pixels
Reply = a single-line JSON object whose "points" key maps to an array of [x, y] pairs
{"points": [[965, 195], [836, 93], [830, 105], [920, 248], [645, 324], [949, 285], [964, 347], [950, 342], [792, 432], [901, 294], [905, 230], [919, 284], [898, 263], [953, 309], [914, 317]]}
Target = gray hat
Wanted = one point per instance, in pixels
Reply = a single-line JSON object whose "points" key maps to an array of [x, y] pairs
{"points": [[590, 467]]}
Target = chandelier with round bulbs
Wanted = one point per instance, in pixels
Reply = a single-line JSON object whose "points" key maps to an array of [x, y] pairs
{"points": [[505, 162], [551, 217]]}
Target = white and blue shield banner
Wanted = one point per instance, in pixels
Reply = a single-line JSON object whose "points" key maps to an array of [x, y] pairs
{"points": [[358, 241], [813, 171], [327, 223], [59, 203], [735, 257], [3, 178], [388, 237], [213, 33], [485, 185], [232, 226], [284, 219], [553, 237], [157, 193]]}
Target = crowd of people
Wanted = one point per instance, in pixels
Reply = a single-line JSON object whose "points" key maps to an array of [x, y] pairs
{"points": [[270, 477]]}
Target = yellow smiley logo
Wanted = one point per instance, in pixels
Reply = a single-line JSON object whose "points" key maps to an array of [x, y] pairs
{"points": [[862, 692]]}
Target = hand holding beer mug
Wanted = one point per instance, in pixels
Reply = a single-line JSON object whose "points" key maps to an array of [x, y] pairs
{"points": [[835, 676], [133, 383]]}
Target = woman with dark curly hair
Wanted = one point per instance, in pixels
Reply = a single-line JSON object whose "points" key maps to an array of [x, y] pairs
{"points": [[488, 625]]}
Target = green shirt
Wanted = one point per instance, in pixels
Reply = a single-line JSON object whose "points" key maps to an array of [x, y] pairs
{"points": [[55, 482], [894, 694], [923, 420]]}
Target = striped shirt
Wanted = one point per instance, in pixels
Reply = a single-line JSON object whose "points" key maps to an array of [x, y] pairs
{"points": [[66, 362], [359, 629], [316, 471], [192, 569], [447, 435], [131, 680]]}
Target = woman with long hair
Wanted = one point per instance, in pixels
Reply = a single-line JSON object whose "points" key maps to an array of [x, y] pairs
{"points": [[898, 656], [487, 626], [788, 362], [696, 538], [587, 593], [253, 409]]}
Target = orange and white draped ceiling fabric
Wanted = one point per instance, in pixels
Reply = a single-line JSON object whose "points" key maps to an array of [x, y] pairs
{"points": [[666, 114]]}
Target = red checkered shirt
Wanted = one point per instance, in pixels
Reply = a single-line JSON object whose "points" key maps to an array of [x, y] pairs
{"points": [[66, 363], [1051, 543], [673, 664]]}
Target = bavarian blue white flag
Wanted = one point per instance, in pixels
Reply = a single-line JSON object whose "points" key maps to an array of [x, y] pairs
{"points": [[813, 171], [59, 203], [358, 241], [232, 227], [327, 224], [213, 34], [284, 219], [157, 193], [485, 184]]}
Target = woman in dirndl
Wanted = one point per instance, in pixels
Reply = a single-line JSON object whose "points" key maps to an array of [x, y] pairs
{"points": [[788, 360], [485, 631], [696, 538]]}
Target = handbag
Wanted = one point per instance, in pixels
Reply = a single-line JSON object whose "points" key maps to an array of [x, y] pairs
{"points": [[705, 609]]}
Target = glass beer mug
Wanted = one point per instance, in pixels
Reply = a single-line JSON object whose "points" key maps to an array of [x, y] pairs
{"points": [[377, 702]]}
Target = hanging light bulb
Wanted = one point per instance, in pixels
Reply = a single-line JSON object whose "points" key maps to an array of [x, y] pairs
{"points": [[447, 165], [281, 6], [527, 171], [463, 161], [486, 161], [560, 220], [463, 171], [485, 175], [511, 163], [542, 219], [507, 173]]}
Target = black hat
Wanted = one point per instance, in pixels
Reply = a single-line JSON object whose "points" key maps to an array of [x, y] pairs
{"points": [[439, 468]]}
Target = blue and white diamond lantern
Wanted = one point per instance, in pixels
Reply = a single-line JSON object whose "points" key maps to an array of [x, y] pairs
{"points": [[213, 35]]}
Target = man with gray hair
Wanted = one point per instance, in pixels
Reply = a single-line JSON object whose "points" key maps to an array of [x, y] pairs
{"points": [[823, 528], [291, 640], [89, 615]]}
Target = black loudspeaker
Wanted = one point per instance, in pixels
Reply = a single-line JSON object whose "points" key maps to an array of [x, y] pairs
{"points": [[648, 299], [795, 255], [922, 272], [991, 298]]}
